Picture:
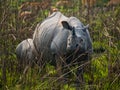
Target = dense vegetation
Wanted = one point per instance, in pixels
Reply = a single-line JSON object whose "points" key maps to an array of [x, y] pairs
{"points": [[104, 28]]}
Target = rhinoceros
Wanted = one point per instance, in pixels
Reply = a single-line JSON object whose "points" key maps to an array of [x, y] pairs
{"points": [[25, 52], [58, 36]]}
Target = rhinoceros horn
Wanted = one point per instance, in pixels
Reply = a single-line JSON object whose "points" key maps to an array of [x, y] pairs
{"points": [[87, 26]]}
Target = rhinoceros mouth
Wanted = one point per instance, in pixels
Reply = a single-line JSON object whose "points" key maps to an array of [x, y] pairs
{"points": [[76, 51], [79, 50]]}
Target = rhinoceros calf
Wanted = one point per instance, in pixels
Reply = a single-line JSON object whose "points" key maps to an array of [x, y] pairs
{"points": [[59, 35], [25, 52]]}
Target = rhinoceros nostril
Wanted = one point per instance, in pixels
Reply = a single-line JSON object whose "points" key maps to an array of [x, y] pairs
{"points": [[76, 45], [81, 40]]}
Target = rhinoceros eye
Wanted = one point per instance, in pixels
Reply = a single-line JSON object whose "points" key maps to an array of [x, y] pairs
{"points": [[84, 29]]}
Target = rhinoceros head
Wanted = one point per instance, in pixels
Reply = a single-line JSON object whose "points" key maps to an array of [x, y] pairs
{"points": [[77, 39]]}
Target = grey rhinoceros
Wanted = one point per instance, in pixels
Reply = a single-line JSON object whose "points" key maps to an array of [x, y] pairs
{"points": [[25, 52], [58, 36]]}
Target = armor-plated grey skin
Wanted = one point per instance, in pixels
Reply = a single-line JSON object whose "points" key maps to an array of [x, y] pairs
{"points": [[26, 52], [60, 36]]}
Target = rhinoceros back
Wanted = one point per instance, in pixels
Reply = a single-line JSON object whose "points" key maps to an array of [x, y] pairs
{"points": [[45, 33]]}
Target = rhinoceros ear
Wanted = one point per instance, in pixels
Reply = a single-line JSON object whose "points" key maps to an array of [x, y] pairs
{"points": [[66, 25]]}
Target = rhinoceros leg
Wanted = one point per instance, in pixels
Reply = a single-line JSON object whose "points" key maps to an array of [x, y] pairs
{"points": [[58, 64], [62, 70], [84, 61], [79, 74]]}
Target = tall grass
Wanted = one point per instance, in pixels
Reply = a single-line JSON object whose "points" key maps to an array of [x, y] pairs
{"points": [[105, 64]]}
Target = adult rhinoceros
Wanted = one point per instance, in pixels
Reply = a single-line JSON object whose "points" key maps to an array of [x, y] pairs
{"points": [[59, 36]]}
